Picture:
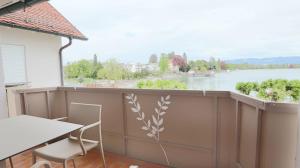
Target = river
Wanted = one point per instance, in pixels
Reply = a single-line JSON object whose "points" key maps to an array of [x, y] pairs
{"points": [[228, 80]]}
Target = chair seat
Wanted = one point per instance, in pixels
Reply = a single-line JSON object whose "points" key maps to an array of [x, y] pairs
{"points": [[63, 150]]}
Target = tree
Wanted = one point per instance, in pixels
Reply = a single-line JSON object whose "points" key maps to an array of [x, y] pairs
{"points": [[177, 60], [184, 57], [96, 67], [180, 62], [164, 63], [112, 70], [212, 64], [171, 54], [223, 65], [153, 59], [82, 68], [185, 68], [199, 65]]}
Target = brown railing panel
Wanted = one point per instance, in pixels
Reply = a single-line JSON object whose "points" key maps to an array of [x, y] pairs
{"points": [[279, 136], [226, 138], [201, 129], [36, 104], [57, 104], [248, 136]]}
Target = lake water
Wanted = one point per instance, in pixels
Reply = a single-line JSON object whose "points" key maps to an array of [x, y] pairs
{"points": [[228, 80]]}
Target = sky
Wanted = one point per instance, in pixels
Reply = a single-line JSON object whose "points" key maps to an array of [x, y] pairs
{"points": [[132, 30]]}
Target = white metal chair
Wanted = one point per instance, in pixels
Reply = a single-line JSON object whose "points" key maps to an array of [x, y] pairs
{"points": [[78, 143], [41, 164]]}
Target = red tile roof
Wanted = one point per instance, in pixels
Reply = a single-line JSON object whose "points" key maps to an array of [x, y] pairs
{"points": [[42, 17]]}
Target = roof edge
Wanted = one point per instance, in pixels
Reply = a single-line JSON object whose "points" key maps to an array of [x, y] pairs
{"points": [[43, 31]]}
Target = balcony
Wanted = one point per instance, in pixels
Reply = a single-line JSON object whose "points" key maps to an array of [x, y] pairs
{"points": [[201, 129], [92, 159]]}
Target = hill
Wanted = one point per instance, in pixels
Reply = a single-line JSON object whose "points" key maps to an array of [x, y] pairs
{"points": [[262, 61]]}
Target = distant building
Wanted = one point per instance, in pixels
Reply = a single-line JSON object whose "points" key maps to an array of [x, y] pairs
{"points": [[142, 67], [152, 67]]}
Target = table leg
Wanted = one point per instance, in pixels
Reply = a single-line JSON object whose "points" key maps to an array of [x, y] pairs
{"points": [[2, 164]]}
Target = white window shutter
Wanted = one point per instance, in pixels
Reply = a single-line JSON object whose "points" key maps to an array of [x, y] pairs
{"points": [[14, 66]]}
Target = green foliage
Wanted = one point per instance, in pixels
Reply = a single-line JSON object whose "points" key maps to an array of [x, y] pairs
{"points": [[293, 87], [161, 84], [246, 87], [135, 75], [96, 67], [273, 90], [164, 63], [199, 65], [82, 68], [185, 68], [268, 66], [213, 64], [111, 70]]}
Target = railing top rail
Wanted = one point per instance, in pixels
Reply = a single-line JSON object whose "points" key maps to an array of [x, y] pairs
{"points": [[36, 90], [149, 91], [261, 104]]}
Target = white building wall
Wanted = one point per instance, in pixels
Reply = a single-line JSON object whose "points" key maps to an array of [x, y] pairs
{"points": [[3, 107], [41, 52]]}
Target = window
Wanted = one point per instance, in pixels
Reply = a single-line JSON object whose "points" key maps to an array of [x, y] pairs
{"points": [[13, 58]]}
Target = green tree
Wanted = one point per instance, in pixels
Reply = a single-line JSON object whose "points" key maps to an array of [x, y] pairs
{"points": [[214, 64], [96, 67], [199, 65], [112, 70], [164, 63], [82, 68]]}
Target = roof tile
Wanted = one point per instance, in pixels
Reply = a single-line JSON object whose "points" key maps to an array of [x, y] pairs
{"points": [[42, 17]]}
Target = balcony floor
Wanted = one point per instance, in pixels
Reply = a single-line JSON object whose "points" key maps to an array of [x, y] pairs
{"points": [[91, 160]]}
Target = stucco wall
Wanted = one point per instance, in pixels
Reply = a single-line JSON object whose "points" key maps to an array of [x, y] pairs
{"points": [[3, 108], [41, 52]]}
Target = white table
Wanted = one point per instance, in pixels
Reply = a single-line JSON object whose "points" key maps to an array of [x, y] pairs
{"points": [[18, 134]]}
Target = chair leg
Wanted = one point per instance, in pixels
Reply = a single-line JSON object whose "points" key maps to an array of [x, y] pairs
{"points": [[74, 163], [11, 162], [65, 164]]}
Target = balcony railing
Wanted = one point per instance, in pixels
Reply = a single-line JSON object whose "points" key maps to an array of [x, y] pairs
{"points": [[201, 129]]}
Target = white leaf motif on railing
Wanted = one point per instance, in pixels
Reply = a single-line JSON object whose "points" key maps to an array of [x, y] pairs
{"points": [[155, 128]]}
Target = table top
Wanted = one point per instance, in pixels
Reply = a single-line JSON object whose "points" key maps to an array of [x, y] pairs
{"points": [[18, 134]]}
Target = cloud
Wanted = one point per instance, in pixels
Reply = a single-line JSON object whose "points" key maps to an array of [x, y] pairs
{"points": [[131, 30]]}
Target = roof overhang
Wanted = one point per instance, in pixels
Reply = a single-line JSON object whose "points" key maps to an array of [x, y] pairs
{"points": [[43, 31], [8, 6]]}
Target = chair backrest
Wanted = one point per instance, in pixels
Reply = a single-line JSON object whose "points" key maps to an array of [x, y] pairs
{"points": [[86, 114]]}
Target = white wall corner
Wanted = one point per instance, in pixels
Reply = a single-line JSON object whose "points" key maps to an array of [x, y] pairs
{"points": [[3, 102]]}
